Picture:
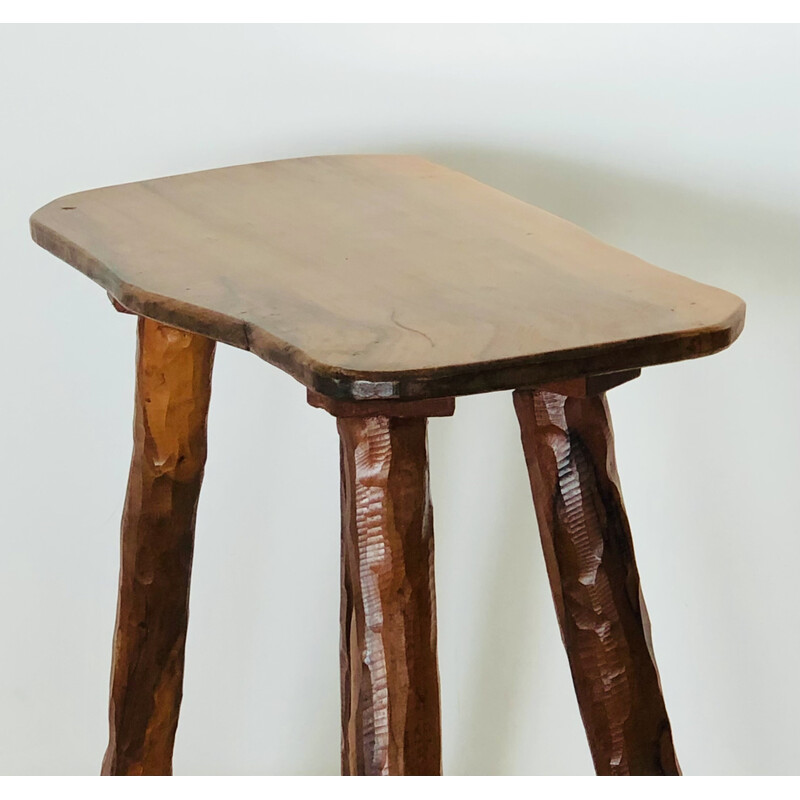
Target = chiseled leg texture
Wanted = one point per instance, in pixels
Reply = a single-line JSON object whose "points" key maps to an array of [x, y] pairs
{"points": [[173, 381], [390, 680], [569, 449]]}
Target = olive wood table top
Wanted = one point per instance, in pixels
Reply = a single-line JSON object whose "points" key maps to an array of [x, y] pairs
{"points": [[383, 276]]}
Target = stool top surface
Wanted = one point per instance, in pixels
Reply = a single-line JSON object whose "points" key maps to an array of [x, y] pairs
{"points": [[383, 277]]}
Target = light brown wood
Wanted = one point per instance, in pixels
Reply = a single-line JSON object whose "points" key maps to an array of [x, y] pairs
{"points": [[390, 680], [117, 305], [377, 277], [569, 450], [173, 384]]}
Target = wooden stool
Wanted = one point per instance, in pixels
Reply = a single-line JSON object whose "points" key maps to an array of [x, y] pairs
{"points": [[388, 286]]}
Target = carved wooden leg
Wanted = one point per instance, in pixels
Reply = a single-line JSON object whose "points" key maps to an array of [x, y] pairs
{"points": [[569, 449], [173, 382], [390, 680]]}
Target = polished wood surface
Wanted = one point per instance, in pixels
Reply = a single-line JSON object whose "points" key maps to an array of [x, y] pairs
{"points": [[569, 450], [173, 383], [390, 681], [376, 277]]}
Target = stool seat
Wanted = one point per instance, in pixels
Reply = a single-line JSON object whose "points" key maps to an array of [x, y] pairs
{"points": [[387, 285], [382, 277]]}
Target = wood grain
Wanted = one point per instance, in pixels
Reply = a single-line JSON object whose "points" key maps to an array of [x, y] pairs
{"points": [[379, 277], [390, 681], [569, 450], [173, 383]]}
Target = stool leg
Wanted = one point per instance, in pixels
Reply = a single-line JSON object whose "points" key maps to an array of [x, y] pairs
{"points": [[569, 449], [390, 680], [173, 380]]}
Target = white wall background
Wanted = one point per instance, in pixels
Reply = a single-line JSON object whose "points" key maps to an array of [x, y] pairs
{"points": [[678, 143]]}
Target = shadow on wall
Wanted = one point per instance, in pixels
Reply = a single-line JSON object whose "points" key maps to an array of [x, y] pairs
{"points": [[711, 239]]}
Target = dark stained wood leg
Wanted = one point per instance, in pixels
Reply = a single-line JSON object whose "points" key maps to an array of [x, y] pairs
{"points": [[173, 383], [569, 449], [390, 679]]}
